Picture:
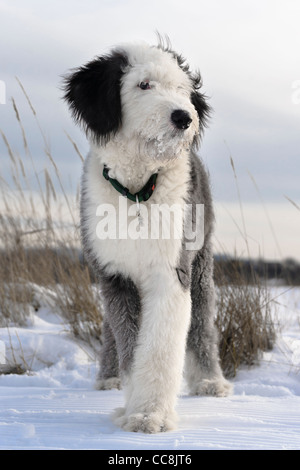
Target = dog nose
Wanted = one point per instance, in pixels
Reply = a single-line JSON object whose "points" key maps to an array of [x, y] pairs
{"points": [[181, 119]]}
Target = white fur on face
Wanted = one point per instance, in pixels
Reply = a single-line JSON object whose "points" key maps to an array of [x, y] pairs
{"points": [[147, 127]]}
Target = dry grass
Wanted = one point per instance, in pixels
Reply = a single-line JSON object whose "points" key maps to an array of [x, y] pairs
{"points": [[41, 246], [244, 319], [244, 306], [39, 243]]}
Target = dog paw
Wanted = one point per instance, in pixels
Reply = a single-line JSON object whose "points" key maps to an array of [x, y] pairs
{"points": [[217, 387], [149, 423], [108, 384]]}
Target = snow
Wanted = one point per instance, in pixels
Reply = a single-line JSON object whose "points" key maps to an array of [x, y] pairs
{"points": [[55, 406]]}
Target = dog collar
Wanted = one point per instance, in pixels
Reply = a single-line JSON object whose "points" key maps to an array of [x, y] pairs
{"points": [[143, 195]]}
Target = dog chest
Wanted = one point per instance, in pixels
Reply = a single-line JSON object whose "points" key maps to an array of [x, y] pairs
{"points": [[128, 237]]}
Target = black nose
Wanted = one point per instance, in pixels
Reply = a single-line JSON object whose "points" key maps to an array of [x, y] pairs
{"points": [[181, 119]]}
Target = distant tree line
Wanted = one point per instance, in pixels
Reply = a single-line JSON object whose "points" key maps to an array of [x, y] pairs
{"points": [[285, 272], [52, 262]]}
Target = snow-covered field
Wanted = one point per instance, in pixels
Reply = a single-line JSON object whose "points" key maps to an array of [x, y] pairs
{"points": [[55, 406]]}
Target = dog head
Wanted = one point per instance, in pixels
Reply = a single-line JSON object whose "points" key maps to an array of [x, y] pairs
{"points": [[140, 96]]}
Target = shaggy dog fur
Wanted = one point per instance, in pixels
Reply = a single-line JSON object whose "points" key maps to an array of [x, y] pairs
{"points": [[144, 113]]}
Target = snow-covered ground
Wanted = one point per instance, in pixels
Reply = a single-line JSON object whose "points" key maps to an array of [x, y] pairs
{"points": [[55, 406]]}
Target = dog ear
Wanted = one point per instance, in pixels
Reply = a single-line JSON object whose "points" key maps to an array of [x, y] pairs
{"points": [[199, 101], [93, 95]]}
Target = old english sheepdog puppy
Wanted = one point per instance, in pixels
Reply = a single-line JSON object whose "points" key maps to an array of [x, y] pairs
{"points": [[143, 112]]}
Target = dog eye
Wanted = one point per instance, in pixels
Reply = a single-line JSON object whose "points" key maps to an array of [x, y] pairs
{"points": [[144, 86]]}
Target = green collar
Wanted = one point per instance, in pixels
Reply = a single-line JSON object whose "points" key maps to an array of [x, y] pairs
{"points": [[143, 195]]}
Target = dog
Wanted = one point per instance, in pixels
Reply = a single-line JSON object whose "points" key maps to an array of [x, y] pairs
{"points": [[144, 113]]}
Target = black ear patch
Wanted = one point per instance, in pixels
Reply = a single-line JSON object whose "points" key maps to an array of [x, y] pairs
{"points": [[93, 95], [199, 101]]}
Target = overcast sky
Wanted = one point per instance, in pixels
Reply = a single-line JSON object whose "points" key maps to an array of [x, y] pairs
{"points": [[248, 53]]}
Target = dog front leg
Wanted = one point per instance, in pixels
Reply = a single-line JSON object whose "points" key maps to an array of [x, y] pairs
{"points": [[108, 376], [120, 329], [203, 372], [156, 372]]}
